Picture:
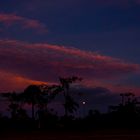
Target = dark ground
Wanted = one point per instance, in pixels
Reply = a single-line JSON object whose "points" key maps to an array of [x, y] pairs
{"points": [[94, 135]]}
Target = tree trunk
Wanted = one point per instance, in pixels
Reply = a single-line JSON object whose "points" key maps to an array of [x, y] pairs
{"points": [[65, 96], [66, 111], [33, 111]]}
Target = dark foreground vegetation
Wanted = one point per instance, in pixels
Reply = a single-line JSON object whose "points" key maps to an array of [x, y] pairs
{"points": [[94, 135], [122, 120]]}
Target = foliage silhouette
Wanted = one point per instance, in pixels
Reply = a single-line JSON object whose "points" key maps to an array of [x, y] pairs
{"points": [[124, 115], [70, 105], [32, 95], [15, 104]]}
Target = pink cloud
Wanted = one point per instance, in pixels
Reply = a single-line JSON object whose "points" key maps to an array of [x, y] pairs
{"points": [[46, 62], [12, 82], [12, 19]]}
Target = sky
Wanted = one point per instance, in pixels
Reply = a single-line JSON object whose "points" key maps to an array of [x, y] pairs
{"points": [[97, 40]]}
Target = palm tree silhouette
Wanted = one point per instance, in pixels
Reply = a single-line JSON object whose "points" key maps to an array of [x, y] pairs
{"points": [[127, 97], [32, 95], [48, 93], [70, 105], [14, 103]]}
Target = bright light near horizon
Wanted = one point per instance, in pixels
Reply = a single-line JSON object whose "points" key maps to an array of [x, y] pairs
{"points": [[83, 103]]}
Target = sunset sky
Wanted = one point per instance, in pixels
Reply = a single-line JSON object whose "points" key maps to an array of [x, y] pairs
{"points": [[97, 40]]}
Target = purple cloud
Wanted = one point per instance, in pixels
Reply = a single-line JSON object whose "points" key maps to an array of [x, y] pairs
{"points": [[45, 61], [9, 20]]}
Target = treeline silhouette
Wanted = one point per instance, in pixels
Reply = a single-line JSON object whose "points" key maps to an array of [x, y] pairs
{"points": [[124, 115]]}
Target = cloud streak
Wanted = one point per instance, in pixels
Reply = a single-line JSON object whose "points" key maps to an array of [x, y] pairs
{"points": [[23, 63], [12, 82], [47, 62], [9, 20]]}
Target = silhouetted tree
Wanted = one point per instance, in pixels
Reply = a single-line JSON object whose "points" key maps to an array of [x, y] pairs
{"points": [[48, 93], [128, 111], [70, 105], [32, 95], [15, 104]]}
